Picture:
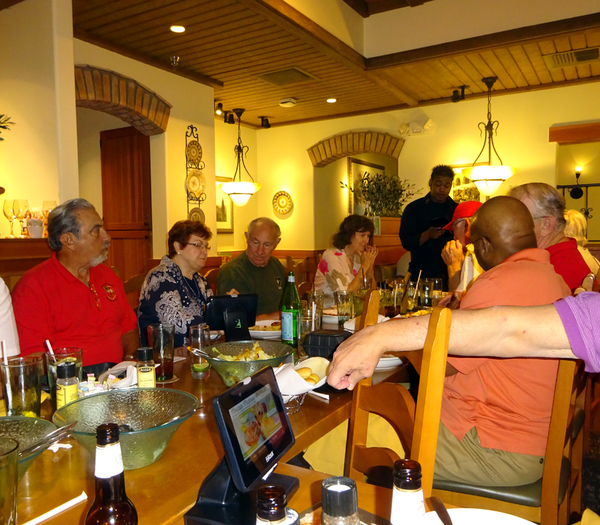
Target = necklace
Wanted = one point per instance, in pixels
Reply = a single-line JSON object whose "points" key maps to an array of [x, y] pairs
{"points": [[194, 289]]}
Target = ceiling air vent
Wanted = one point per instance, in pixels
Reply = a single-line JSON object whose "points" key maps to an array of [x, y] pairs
{"points": [[572, 58], [284, 77]]}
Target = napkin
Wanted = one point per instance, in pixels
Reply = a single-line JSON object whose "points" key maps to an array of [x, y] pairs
{"points": [[291, 384], [350, 324]]}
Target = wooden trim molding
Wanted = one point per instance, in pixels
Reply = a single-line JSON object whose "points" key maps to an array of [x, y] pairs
{"points": [[122, 97], [352, 143], [575, 134]]}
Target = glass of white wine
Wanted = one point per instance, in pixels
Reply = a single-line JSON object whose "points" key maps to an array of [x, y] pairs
{"points": [[9, 213], [21, 209], [411, 293]]}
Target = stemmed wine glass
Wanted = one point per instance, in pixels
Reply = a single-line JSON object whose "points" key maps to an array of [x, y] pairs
{"points": [[21, 209], [47, 207], [9, 213]]}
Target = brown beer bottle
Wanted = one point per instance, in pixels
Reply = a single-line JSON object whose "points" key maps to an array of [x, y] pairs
{"points": [[111, 505]]}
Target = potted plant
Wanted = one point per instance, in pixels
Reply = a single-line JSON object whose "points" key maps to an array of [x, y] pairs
{"points": [[5, 123]]}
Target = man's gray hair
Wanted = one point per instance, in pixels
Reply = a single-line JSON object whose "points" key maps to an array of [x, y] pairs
{"points": [[63, 219], [266, 221], [546, 200]]}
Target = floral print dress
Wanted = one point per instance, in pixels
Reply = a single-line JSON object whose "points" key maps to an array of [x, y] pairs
{"points": [[333, 272], [168, 297]]}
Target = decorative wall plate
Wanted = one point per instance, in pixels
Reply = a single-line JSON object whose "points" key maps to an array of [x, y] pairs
{"points": [[193, 151], [282, 202], [195, 183], [196, 214]]}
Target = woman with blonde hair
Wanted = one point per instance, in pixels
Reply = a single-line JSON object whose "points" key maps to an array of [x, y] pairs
{"points": [[577, 229]]}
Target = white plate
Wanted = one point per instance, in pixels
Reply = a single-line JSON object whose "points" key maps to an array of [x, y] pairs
{"points": [[475, 517], [385, 363], [271, 334]]}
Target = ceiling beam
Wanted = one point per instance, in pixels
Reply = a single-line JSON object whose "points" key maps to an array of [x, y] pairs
{"points": [[141, 57], [291, 20], [503, 38]]}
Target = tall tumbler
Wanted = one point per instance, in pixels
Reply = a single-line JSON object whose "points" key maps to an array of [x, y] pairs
{"points": [[21, 381], [161, 337], [9, 468]]}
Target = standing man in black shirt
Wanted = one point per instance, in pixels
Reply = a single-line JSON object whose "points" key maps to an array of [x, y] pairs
{"points": [[421, 226]]}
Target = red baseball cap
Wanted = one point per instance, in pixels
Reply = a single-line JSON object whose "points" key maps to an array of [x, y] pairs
{"points": [[464, 210]]}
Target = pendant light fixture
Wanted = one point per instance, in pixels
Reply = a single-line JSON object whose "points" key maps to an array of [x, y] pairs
{"points": [[488, 178], [240, 191]]}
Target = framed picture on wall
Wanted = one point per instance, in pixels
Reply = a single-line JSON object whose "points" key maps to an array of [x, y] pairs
{"points": [[224, 208], [356, 170]]}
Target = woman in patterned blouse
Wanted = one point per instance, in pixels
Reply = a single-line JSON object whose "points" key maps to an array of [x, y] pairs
{"points": [[352, 257], [174, 292]]}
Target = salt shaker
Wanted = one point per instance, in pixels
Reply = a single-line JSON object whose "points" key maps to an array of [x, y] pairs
{"points": [[339, 501]]}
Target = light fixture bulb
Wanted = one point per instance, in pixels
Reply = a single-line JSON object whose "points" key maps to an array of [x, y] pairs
{"points": [[331, 100], [578, 170], [219, 110], [178, 29], [240, 192]]}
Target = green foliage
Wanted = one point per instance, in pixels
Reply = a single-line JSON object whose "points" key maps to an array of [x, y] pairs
{"points": [[5, 123], [383, 194]]}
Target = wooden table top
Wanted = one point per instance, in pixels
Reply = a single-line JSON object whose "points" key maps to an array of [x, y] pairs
{"points": [[164, 491]]}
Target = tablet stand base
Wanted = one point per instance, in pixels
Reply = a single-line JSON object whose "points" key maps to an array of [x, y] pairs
{"points": [[221, 503]]}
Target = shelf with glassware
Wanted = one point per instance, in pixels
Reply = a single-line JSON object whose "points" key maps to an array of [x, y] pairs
{"points": [[32, 222]]}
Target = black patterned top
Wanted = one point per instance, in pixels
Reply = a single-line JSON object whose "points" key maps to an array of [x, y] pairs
{"points": [[170, 298]]}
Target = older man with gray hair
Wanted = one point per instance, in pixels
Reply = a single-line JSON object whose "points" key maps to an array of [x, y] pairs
{"points": [[72, 299], [256, 270], [547, 206]]}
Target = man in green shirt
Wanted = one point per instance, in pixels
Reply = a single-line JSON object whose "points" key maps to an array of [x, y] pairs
{"points": [[255, 270]]}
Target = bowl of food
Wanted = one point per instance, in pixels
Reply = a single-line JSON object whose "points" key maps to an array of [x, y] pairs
{"points": [[237, 360], [26, 431], [147, 419]]}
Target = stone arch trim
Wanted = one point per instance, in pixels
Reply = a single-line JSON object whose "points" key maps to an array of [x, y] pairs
{"points": [[122, 97], [352, 143]]}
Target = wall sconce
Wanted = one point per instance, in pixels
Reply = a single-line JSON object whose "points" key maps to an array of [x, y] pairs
{"points": [[219, 110], [577, 193], [264, 122], [456, 96]]}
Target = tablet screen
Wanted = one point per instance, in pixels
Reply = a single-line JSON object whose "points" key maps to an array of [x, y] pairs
{"points": [[254, 428]]}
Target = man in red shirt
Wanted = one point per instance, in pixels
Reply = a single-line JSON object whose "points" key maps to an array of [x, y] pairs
{"points": [[72, 299], [547, 206], [496, 412]]}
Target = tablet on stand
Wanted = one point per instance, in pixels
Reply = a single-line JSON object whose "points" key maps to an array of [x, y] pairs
{"points": [[255, 432], [233, 314]]}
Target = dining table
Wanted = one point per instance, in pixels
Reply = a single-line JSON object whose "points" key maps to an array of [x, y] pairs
{"points": [[163, 491]]}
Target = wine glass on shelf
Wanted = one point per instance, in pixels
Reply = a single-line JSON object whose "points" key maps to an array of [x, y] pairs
{"points": [[9, 213], [47, 207], [21, 209]]}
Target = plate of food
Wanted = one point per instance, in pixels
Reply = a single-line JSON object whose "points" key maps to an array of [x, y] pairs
{"points": [[387, 362], [268, 329]]}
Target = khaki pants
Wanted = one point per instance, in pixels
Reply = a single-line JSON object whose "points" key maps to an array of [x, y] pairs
{"points": [[469, 462]]}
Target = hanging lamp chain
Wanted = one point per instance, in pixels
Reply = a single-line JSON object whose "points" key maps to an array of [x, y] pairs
{"points": [[490, 128], [240, 151]]}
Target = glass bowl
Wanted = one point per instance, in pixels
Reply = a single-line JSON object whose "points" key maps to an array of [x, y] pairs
{"points": [[232, 372], [26, 431], [148, 418]]}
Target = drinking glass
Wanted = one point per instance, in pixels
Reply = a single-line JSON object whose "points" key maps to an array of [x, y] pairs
{"points": [[199, 338], [344, 300], [411, 294], [9, 213], [21, 381], [9, 479], [62, 355], [438, 291], [161, 337], [21, 208], [426, 292]]}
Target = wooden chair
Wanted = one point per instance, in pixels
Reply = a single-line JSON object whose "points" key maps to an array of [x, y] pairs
{"points": [[304, 287], [304, 270], [133, 286], [551, 499], [211, 277], [370, 312], [416, 425]]}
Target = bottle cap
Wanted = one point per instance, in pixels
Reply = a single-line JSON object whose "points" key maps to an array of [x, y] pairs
{"points": [[65, 370], [107, 433], [338, 496], [145, 353], [270, 503]]}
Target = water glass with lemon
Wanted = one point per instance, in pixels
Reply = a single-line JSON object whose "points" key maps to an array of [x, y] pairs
{"points": [[21, 381], [199, 339]]}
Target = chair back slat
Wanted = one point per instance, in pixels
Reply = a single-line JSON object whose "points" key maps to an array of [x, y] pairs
{"points": [[370, 313]]}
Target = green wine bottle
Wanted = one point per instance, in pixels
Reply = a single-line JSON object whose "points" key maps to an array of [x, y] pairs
{"points": [[290, 313]]}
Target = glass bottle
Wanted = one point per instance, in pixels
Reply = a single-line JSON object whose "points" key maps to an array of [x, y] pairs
{"points": [[146, 371], [408, 505], [340, 501], [290, 312], [271, 507], [66, 383], [111, 504]]}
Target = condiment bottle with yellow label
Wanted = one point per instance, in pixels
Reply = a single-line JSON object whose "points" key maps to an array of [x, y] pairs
{"points": [[146, 371], [66, 383]]}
